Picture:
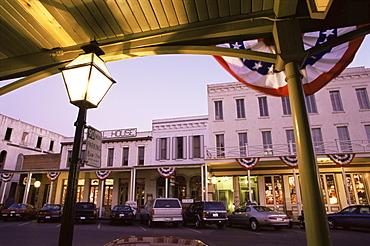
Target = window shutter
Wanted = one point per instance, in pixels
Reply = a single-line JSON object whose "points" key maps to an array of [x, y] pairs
{"points": [[184, 150], [158, 149], [201, 146]]}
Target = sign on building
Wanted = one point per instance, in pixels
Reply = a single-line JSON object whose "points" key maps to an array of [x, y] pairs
{"points": [[120, 133], [93, 147]]}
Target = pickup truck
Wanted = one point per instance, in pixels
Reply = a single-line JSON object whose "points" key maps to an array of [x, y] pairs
{"points": [[86, 212]]}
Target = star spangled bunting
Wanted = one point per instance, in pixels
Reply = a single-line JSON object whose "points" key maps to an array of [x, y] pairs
{"points": [[248, 163], [6, 177], [291, 161], [166, 172], [342, 160], [102, 174], [317, 70], [52, 176]]}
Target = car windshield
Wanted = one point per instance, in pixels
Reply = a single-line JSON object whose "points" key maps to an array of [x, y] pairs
{"points": [[51, 206], [18, 206], [262, 209], [214, 206], [122, 208], [167, 204]]}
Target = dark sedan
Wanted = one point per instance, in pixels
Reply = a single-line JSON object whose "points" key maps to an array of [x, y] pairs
{"points": [[49, 212], [352, 216], [19, 211], [121, 213]]}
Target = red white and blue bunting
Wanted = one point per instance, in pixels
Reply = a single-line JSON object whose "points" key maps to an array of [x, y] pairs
{"points": [[6, 177], [52, 176], [248, 163], [166, 172], [342, 160], [291, 161], [102, 174], [317, 70]]}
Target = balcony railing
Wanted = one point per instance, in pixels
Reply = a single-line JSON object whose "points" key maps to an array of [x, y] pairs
{"points": [[288, 149]]}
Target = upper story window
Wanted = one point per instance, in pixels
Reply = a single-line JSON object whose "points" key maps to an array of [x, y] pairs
{"points": [[220, 145], [2, 159], [267, 142], [24, 138], [286, 106], [83, 158], [69, 158], [317, 140], [196, 146], [336, 101], [240, 109], [264, 111], [125, 152], [51, 145], [218, 110], [39, 141], [110, 157], [243, 141], [141, 153], [291, 141], [179, 147], [344, 139], [8, 133], [363, 99], [311, 104], [367, 131], [163, 146]]}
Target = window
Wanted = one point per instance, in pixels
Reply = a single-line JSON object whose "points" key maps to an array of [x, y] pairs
{"points": [[274, 190], [311, 104], [220, 145], [367, 130], [179, 147], [141, 151], [240, 109], [51, 145], [24, 138], [218, 110], [163, 149], [110, 157], [267, 143], [291, 141], [39, 141], [196, 146], [262, 101], [363, 99], [317, 140], [286, 106], [336, 101], [344, 139], [8, 134], [125, 152], [329, 190], [2, 159], [83, 158], [69, 158], [243, 141]]}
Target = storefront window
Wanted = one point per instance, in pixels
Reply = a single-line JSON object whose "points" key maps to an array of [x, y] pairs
{"points": [[329, 190], [196, 188], [244, 189], [108, 191], [292, 190], [357, 189], [94, 187], [274, 190], [80, 190]]}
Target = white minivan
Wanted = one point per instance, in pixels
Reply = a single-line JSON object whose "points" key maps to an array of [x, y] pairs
{"points": [[167, 210]]}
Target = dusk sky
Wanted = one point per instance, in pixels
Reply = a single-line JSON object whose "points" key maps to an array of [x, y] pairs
{"points": [[147, 88]]}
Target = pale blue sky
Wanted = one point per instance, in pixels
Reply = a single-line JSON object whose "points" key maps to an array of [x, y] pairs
{"points": [[147, 88]]}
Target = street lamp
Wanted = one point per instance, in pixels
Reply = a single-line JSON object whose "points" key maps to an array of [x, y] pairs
{"points": [[87, 80]]}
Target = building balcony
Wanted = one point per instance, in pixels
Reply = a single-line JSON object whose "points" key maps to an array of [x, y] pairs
{"points": [[288, 149]]}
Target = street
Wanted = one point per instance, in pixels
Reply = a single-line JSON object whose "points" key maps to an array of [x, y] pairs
{"points": [[31, 233]]}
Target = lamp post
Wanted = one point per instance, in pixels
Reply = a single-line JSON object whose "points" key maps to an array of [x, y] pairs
{"points": [[87, 80]]}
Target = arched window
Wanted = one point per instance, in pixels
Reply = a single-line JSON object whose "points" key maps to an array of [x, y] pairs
{"points": [[2, 159], [161, 187], [180, 187], [19, 164], [196, 188]]}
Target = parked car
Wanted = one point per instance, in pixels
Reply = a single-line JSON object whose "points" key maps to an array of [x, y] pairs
{"points": [[86, 212], [49, 212], [167, 210], [121, 213], [19, 211], [256, 216], [352, 216], [203, 213]]}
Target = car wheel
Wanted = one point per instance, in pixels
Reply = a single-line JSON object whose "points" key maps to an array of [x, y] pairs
{"points": [[332, 224], [255, 226], [150, 223], [175, 224], [221, 225], [199, 224], [278, 228], [39, 220]]}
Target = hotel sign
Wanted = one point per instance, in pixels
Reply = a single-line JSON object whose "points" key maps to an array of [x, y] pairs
{"points": [[93, 147], [121, 133]]}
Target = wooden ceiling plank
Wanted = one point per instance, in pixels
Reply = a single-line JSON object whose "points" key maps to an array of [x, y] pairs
{"points": [[43, 18], [202, 10], [118, 16], [129, 16], [191, 11], [180, 12], [159, 13], [109, 19], [212, 7], [66, 20], [149, 14], [223, 8], [17, 17], [139, 15], [283, 8], [268, 4], [257, 5], [235, 7], [170, 12], [246, 6]]}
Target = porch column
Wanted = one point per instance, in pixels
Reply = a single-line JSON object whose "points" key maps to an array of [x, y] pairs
{"points": [[27, 189], [132, 184], [101, 197]]}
